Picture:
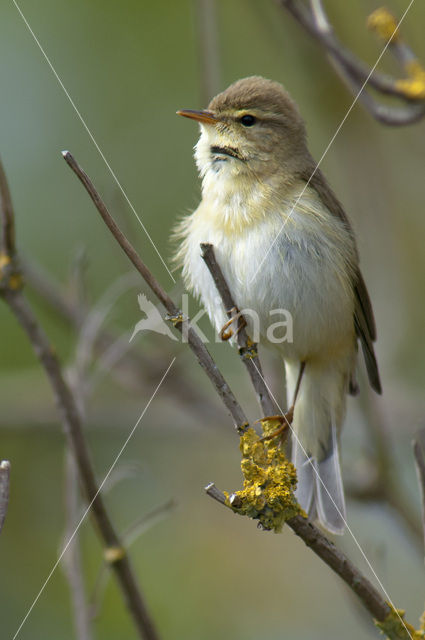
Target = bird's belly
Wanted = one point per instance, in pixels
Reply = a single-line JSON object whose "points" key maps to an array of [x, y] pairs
{"points": [[294, 296]]}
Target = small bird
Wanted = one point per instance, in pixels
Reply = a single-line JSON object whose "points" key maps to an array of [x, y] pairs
{"points": [[283, 241]]}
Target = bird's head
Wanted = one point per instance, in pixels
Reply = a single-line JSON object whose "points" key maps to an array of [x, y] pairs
{"points": [[252, 129]]}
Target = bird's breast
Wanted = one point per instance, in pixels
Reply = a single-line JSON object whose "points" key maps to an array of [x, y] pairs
{"points": [[283, 260]]}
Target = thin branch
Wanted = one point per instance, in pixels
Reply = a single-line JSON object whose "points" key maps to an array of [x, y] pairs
{"points": [[71, 561], [419, 453], [384, 485], [320, 17], [303, 528], [134, 368], [355, 72], [342, 565], [394, 116], [334, 558], [7, 218], [129, 536], [247, 349], [209, 49], [181, 323], [4, 490], [11, 293], [73, 430]]}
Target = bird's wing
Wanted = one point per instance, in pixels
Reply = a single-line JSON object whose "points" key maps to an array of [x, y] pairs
{"points": [[364, 321], [366, 330]]}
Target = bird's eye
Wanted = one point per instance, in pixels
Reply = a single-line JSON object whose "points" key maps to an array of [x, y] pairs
{"points": [[247, 120]]}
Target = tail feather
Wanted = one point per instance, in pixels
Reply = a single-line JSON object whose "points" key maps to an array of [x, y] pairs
{"points": [[320, 490], [329, 491], [305, 477], [318, 416]]}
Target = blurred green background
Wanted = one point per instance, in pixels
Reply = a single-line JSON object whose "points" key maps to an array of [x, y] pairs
{"points": [[128, 66]]}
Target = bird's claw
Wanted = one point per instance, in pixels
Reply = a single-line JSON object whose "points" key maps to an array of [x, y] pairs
{"points": [[285, 423], [226, 331]]}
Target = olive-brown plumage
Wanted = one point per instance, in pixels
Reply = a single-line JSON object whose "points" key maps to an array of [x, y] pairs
{"points": [[283, 242]]}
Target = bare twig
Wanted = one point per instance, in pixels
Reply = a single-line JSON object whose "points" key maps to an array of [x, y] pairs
{"points": [[71, 561], [384, 485], [303, 528], [134, 368], [4, 490], [214, 493], [355, 73], [334, 558], [175, 315], [11, 293], [247, 349], [73, 430], [419, 453], [8, 218], [129, 536], [340, 563], [208, 49]]}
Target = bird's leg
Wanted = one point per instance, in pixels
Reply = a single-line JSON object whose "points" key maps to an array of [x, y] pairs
{"points": [[226, 332], [285, 423], [287, 418]]}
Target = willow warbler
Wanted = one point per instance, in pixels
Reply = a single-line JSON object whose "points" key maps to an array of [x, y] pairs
{"points": [[283, 241]]}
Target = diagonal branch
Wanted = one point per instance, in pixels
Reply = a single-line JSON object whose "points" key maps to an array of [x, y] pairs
{"points": [[386, 617], [10, 291], [181, 323], [247, 349], [334, 558], [73, 430], [134, 367], [355, 73]]}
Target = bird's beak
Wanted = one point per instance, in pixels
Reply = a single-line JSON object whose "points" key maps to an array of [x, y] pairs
{"points": [[206, 117]]}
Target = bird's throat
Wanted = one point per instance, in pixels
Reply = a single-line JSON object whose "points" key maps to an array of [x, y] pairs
{"points": [[234, 201]]}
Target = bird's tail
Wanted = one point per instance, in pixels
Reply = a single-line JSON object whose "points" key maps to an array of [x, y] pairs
{"points": [[318, 416]]}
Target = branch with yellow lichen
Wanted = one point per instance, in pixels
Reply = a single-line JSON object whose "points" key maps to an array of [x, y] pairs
{"points": [[269, 478], [269, 481], [361, 78]]}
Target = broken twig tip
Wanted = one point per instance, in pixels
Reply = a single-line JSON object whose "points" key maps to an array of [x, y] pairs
{"points": [[215, 493]]}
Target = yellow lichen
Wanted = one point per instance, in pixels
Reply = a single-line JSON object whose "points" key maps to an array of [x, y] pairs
{"points": [[12, 279], [422, 624], [413, 86], [175, 319], [15, 281], [113, 554], [4, 260], [269, 480], [396, 628], [383, 23]]}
